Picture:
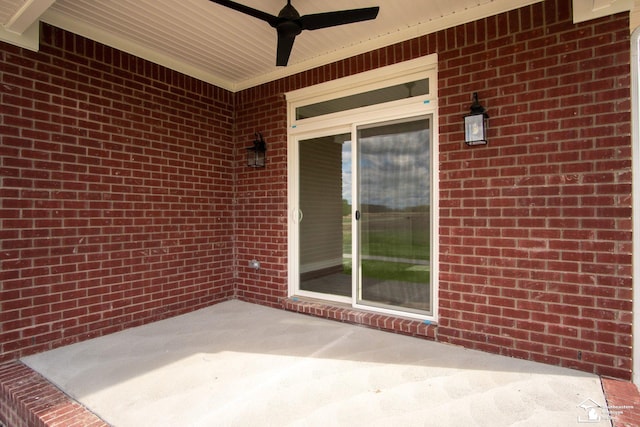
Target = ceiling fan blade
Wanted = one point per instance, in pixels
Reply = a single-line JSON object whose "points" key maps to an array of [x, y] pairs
{"points": [[285, 45], [332, 19], [289, 23], [272, 20]]}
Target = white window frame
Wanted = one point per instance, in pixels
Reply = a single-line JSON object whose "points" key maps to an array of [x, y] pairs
{"points": [[347, 122], [635, 150]]}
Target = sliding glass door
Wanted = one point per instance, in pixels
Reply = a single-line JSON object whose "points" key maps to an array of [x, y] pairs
{"points": [[324, 215], [362, 179], [394, 191], [383, 216]]}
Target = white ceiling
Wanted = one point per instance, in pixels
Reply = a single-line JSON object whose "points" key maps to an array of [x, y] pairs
{"points": [[233, 50]]}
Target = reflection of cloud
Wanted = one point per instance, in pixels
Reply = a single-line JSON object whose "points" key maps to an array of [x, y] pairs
{"points": [[395, 169], [346, 171]]}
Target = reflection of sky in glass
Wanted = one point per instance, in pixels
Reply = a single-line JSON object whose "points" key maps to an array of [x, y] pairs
{"points": [[395, 169], [346, 171], [395, 166]]}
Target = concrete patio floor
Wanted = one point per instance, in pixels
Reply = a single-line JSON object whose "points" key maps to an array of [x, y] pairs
{"points": [[240, 364]]}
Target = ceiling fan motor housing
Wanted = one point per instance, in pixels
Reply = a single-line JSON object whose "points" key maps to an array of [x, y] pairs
{"points": [[288, 23]]}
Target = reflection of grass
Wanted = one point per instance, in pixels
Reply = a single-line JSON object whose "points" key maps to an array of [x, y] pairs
{"points": [[385, 270], [392, 240], [396, 244], [392, 244]]}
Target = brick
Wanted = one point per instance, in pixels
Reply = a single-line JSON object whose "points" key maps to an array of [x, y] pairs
{"points": [[26, 398], [64, 154], [133, 187]]}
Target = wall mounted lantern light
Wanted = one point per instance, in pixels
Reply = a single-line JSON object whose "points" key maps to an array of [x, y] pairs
{"points": [[256, 155], [475, 124]]}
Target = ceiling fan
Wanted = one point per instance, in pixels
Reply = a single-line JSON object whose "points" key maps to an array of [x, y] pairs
{"points": [[289, 23]]}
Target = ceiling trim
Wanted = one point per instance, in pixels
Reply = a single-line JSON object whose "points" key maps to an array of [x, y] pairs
{"points": [[585, 10], [469, 15], [23, 28], [28, 39], [29, 13]]}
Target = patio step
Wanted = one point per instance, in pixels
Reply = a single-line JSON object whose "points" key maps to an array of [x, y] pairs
{"points": [[623, 402], [27, 399]]}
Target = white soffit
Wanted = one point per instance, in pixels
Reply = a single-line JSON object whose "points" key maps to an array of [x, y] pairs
{"points": [[235, 51], [232, 50]]}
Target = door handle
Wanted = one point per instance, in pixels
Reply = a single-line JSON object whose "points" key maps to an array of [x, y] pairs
{"points": [[357, 215], [296, 216]]}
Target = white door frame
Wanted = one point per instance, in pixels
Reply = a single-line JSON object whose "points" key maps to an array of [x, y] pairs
{"points": [[300, 129], [635, 149]]}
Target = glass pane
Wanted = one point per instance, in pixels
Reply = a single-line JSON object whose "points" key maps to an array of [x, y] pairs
{"points": [[373, 97], [394, 226], [325, 205]]}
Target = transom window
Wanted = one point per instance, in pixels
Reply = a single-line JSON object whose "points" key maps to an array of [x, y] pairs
{"points": [[365, 99]]}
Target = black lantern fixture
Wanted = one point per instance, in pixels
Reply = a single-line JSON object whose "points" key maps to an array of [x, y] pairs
{"points": [[475, 124], [256, 155]]}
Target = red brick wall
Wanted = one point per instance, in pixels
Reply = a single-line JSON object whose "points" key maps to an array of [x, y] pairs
{"points": [[261, 199], [535, 227], [116, 193], [125, 197]]}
